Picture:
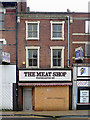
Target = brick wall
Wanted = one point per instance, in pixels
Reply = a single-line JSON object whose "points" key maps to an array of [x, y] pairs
{"points": [[45, 42]]}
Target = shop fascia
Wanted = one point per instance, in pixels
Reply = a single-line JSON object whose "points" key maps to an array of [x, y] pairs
{"points": [[44, 75]]}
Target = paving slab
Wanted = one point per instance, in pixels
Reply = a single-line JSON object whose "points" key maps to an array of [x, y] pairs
{"points": [[48, 113]]}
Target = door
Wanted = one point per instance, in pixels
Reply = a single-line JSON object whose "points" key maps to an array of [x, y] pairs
{"points": [[27, 99]]}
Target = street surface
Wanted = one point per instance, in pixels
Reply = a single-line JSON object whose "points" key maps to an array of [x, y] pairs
{"points": [[40, 118]]}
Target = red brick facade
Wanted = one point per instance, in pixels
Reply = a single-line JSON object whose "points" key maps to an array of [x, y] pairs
{"points": [[9, 33], [76, 35]]}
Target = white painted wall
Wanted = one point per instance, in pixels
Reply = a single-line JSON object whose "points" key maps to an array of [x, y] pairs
{"points": [[7, 78]]}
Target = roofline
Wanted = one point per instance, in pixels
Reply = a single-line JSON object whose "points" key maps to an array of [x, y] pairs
{"points": [[32, 12]]}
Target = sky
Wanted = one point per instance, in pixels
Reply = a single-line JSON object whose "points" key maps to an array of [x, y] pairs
{"points": [[58, 5]]}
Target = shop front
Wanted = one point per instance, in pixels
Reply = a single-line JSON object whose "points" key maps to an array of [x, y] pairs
{"points": [[45, 89], [82, 84]]}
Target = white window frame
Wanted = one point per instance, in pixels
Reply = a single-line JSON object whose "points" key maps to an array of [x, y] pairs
{"points": [[38, 53], [62, 56], [87, 26], [58, 22], [32, 38]]}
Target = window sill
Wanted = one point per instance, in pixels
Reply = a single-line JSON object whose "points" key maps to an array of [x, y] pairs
{"points": [[32, 39], [57, 67], [57, 38], [32, 67], [2, 29], [80, 33]]}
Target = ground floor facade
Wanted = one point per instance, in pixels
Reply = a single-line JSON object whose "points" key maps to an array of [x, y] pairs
{"points": [[45, 94], [46, 98], [81, 87], [7, 82]]}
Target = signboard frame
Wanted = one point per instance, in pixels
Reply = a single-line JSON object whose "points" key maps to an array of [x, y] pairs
{"points": [[45, 75]]}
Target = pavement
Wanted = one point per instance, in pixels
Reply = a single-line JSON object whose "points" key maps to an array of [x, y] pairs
{"points": [[56, 114]]}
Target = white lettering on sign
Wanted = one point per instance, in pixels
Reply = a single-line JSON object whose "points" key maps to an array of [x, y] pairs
{"points": [[44, 75]]}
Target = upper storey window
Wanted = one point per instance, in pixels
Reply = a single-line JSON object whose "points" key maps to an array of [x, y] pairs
{"points": [[1, 21], [32, 56], [87, 50], [32, 30], [57, 56], [87, 26], [57, 30]]}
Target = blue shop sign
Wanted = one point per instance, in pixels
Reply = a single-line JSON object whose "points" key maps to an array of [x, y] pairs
{"points": [[79, 53]]}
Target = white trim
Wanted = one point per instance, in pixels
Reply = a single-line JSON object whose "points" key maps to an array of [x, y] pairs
{"points": [[33, 38], [13, 1], [80, 42], [57, 22], [4, 41], [80, 34], [87, 26], [62, 56], [83, 77], [32, 47], [83, 58], [10, 8]]}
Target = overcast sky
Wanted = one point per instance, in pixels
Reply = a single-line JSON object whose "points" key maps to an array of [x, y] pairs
{"points": [[58, 5]]}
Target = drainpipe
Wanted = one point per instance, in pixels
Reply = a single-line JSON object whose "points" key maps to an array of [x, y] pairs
{"points": [[16, 64], [68, 17], [0, 52]]}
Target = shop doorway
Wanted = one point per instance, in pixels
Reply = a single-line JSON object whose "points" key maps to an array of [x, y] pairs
{"points": [[27, 99]]}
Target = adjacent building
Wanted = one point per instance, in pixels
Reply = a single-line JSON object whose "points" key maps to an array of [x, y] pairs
{"points": [[47, 48]]}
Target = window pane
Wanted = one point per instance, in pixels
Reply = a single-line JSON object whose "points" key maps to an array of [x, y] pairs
{"points": [[34, 34], [59, 27], [54, 34], [30, 54], [32, 30], [1, 24], [30, 34], [32, 57], [87, 50], [59, 34], [34, 54], [59, 62], [34, 27], [29, 27], [57, 57], [34, 62], [54, 27], [30, 62], [1, 17], [55, 54], [54, 62], [59, 53], [57, 30]]}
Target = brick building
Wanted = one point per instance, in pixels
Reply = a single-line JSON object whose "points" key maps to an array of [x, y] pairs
{"points": [[42, 45]]}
